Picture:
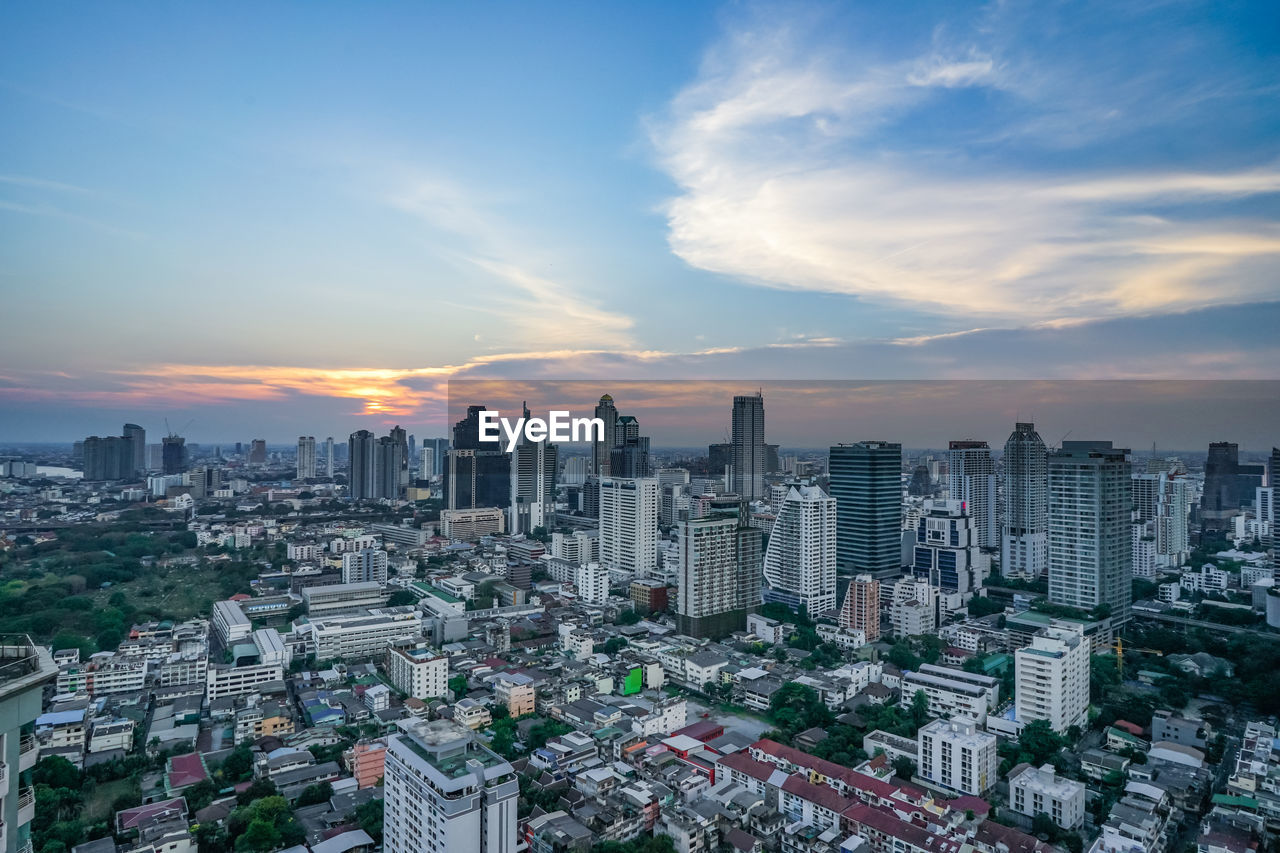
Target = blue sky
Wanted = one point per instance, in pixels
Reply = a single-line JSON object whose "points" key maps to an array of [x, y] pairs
{"points": [[284, 217]]}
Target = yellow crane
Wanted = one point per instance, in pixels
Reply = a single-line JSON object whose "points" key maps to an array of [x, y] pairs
{"points": [[1119, 649]]}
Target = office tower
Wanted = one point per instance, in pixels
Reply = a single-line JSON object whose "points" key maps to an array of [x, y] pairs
{"points": [[861, 608], [958, 756], [446, 792], [720, 570], [1227, 486], [972, 479], [258, 452], [1024, 545], [328, 458], [389, 465], [174, 454], [772, 462], [629, 457], [920, 485], [719, 459], [306, 466], [1090, 540], [1273, 469], [1161, 505], [533, 485], [800, 563], [155, 457], [365, 566], [400, 438], [747, 438], [575, 470], [27, 669], [362, 474], [137, 436], [602, 448], [629, 524], [436, 448], [1051, 678], [411, 455], [476, 473], [866, 481], [109, 458], [946, 551]]}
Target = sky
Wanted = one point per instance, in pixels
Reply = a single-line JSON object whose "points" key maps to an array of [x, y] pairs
{"points": [[281, 218]]}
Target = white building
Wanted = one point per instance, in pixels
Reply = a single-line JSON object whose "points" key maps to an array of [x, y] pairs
{"points": [[1025, 537], [419, 671], [592, 583], [471, 524], [356, 637], [957, 756], [800, 562], [446, 792], [953, 692], [367, 566], [580, 546], [629, 524], [1051, 680], [913, 608], [972, 480], [1040, 790]]}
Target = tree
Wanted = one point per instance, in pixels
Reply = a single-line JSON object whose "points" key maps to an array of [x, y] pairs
{"points": [[613, 645], [902, 656], [919, 708], [369, 816], [904, 767], [628, 617], [796, 707], [312, 795], [402, 598], [261, 835], [1043, 825], [1038, 742], [458, 685]]}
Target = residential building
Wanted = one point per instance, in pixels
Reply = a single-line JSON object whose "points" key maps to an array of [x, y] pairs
{"points": [[1040, 790], [800, 562], [861, 608], [972, 481], [1024, 547], [306, 462], [958, 756], [720, 570], [747, 440], [419, 671], [25, 669], [1051, 678], [629, 524], [953, 692], [516, 691], [366, 566]]}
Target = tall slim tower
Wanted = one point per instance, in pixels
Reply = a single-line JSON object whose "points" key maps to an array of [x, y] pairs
{"points": [[533, 484], [602, 448], [389, 465], [973, 481], [866, 481], [800, 563], [629, 524], [1024, 546], [362, 472], [137, 438], [306, 465], [174, 454], [328, 457], [1090, 527], [747, 438]]}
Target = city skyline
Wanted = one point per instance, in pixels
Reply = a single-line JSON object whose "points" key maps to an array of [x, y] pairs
{"points": [[897, 193]]}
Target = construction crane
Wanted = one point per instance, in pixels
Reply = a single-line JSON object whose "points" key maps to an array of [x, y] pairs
{"points": [[1119, 650]]}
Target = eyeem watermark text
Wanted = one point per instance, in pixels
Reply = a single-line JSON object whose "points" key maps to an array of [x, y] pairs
{"points": [[559, 426]]}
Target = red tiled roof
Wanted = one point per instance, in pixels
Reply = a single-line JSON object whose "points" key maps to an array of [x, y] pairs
{"points": [[892, 826], [130, 818], [823, 795], [744, 763], [186, 770]]}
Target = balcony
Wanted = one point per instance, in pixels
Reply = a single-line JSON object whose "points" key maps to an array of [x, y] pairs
{"points": [[4, 776], [23, 664], [26, 806], [28, 752]]}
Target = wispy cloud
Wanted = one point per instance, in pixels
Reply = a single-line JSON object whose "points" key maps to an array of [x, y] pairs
{"points": [[793, 172]]}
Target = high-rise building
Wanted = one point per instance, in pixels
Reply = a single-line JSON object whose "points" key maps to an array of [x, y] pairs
{"points": [[368, 565], [389, 465], [866, 481], [602, 447], [747, 438], [446, 792], [972, 479], [946, 551], [476, 474], [1090, 535], [720, 570], [861, 608], [1024, 546], [1273, 468], [258, 451], [436, 448], [1161, 507], [401, 439], [174, 454], [1051, 678], [306, 467], [800, 562], [328, 458], [719, 459], [27, 669], [1228, 485], [109, 458], [575, 470], [362, 475], [137, 436], [629, 457], [533, 485], [629, 524]]}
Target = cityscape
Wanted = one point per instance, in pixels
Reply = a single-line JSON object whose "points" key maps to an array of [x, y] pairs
{"points": [[748, 426]]}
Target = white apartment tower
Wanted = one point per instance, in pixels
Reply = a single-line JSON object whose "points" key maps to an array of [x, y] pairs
{"points": [[1024, 542], [958, 756], [972, 479], [1051, 679], [629, 524], [306, 457], [447, 793], [800, 563], [1161, 508], [366, 566]]}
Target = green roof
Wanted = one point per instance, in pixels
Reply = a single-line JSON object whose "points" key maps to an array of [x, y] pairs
{"points": [[1228, 800], [437, 592]]}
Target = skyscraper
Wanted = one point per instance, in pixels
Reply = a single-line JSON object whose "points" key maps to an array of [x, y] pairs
{"points": [[602, 448], [174, 454], [629, 457], [446, 792], [436, 448], [1024, 546], [533, 485], [258, 452], [306, 465], [629, 524], [720, 570], [401, 439], [1161, 503], [1228, 485], [972, 479], [946, 551], [361, 468], [328, 458], [747, 438], [476, 474], [389, 465], [800, 563], [137, 437], [866, 481], [1090, 535], [109, 458], [1052, 678], [1273, 469]]}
